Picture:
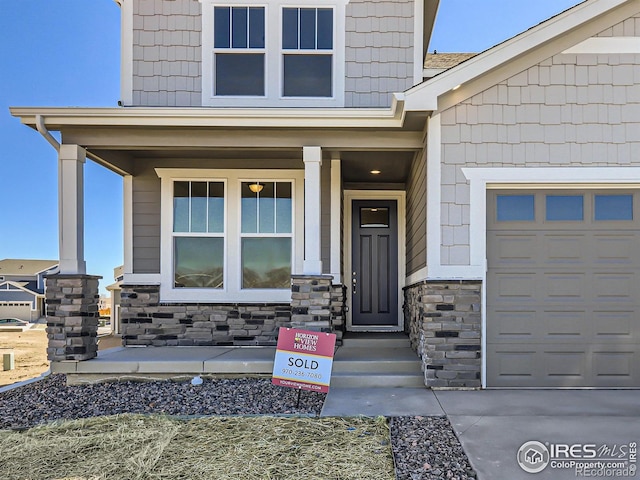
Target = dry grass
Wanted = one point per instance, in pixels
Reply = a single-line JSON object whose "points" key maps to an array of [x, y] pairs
{"points": [[30, 353], [152, 447]]}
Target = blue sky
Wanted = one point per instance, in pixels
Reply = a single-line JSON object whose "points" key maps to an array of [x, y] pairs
{"points": [[67, 53]]}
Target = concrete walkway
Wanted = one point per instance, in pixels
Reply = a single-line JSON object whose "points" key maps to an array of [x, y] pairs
{"points": [[493, 424]]}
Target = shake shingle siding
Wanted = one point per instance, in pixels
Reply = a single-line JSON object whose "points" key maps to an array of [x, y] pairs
{"points": [[167, 54], [379, 51], [570, 110]]}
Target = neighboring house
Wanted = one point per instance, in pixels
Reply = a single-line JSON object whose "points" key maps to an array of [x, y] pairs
{"points": [[115, 290], [22, 287], [289, 165]]}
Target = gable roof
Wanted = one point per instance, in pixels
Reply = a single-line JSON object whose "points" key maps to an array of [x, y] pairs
{"points": [[445, 60], [20, 286], [14, 266], [517, 54]]}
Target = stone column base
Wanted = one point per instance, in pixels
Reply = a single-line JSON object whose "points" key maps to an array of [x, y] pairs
{"points": [[72, 317]]}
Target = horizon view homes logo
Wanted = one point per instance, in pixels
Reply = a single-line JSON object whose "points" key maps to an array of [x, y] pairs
{"points": [[583, 459]]}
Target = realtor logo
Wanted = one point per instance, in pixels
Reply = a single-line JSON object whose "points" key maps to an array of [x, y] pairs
{"points": [[533, 457]]}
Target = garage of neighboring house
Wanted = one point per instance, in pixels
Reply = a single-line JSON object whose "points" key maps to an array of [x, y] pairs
{"points": [[563, 293], [20, 310]]}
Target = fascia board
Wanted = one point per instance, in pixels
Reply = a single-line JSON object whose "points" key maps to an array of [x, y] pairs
{"points": [[58, 117], [425, 96]]}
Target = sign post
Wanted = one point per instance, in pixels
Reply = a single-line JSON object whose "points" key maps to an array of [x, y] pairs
{"points": [[304, 359]]}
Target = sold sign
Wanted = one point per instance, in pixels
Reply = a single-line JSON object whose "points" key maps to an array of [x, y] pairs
{"points": [[304, 359]]}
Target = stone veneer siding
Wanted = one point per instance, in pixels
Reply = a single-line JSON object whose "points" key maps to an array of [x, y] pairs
{"points": [[147, 321], [443, 321], [72, 317]]}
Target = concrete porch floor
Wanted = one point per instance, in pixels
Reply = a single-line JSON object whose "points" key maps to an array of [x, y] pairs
{"points": [[361, 363]]}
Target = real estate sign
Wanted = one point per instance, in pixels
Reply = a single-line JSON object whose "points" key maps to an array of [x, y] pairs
{"points": [[304, 359]]}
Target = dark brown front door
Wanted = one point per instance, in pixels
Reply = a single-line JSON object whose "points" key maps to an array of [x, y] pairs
{"points": [[374, 273]]}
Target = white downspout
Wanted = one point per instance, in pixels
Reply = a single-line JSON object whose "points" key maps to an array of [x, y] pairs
{"points": [[45, 133]]}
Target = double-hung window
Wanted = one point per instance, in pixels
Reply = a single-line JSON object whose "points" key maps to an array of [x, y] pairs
{"points": [[239, 51], [307, 45], [230, 235]]}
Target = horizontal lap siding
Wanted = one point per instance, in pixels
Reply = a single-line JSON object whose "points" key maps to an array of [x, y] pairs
{"points": [[570, 110], [167, 53], [146, 222], [416, 215]]}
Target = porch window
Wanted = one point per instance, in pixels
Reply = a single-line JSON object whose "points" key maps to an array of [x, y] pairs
{"points": [[228, 238], [198, 234], [266, 213]]}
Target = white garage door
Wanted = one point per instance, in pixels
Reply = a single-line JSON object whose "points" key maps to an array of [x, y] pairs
{"points": [[21, 310], [563, 289]]}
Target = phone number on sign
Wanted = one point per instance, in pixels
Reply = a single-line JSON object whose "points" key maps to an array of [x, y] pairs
{"points": [[299, 373]]}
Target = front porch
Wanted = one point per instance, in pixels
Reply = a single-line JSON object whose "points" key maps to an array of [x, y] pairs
{"points": [[365, 360]]}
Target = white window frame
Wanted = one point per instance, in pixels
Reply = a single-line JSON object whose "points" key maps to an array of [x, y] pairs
{"points": [[232, 290], [239, 51], [274, 63]]}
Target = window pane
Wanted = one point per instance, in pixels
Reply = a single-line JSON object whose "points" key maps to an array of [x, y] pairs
{"points": [[374, 217], [290, 28], [249, 209], [565, 207], [307, 75], [239, 30], [308, 28], [325, 29], [266, 262], [198, 262], [515, 208], [283, 207], [614, 207], [266, 209], [181, 206], [222, 23], [240, 74], [256, 27], [216, 207], [198, 207]]}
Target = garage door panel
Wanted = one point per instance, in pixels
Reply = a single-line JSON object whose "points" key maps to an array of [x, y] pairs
{"points": [[20, 310], [563, 249], [563, 297], [515, 326], [619, 287], [614, 249], [511, 249], [562, 287], [516, 286]]}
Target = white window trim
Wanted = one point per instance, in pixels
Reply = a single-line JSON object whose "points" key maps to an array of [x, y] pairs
{"points": [[273, 56], [232, 291]]}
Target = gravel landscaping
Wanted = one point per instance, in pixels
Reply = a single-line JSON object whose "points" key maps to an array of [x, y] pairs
{"points": [[424, 448]]}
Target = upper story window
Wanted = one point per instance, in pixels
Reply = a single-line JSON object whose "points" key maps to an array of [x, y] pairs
{"points": [[307, 44], [239, 51], [277, 54]]}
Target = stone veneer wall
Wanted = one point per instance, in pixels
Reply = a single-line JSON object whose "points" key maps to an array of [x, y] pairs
{"points": [[443, 321], [72, 317], [147, 321]]}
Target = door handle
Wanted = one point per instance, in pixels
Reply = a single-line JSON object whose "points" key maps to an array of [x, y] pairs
{"points": [[354, 282]]}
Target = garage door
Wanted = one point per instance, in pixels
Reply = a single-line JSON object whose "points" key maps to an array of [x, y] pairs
{"points": [[21, 310], [563, 288]]}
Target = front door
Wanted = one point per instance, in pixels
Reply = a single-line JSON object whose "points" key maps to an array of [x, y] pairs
{"points": [[374, 276]]}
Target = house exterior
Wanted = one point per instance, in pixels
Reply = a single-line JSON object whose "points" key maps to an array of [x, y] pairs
{"points": [[287, 164], [22, 287]]}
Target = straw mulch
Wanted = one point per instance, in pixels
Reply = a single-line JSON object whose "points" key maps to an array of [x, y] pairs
{"points": [[156, 447]]}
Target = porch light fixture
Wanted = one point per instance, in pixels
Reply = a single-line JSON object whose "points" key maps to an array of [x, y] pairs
{"points": [[375, 172], [256, 187], [456, 87]]}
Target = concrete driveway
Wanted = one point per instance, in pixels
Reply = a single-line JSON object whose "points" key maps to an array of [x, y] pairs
{"points": [[599, 428], [580, 426]]}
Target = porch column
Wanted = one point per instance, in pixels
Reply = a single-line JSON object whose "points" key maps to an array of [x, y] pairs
{"points": [[71, 159], [336, 199], [312, 157]]}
